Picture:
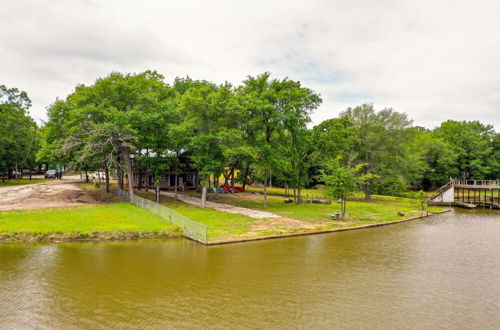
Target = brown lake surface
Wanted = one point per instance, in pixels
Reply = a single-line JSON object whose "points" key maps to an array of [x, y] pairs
{"points": [[437, 273]]}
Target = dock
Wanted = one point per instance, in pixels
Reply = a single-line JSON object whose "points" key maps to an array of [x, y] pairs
{"points": [[468, 194], [465, 205]]}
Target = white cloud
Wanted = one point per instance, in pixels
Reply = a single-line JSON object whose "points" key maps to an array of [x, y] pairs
{"points": [[432, 59]]}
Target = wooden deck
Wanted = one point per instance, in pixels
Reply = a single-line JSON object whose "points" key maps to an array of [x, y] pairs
{"points": [[469, 194]]}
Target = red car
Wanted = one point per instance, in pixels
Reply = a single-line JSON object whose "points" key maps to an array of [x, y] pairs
{"points": [[228, 188]]}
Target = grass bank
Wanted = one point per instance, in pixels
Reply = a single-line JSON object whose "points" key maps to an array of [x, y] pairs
{"points": [[221, 225], [93, 222], [14, 182], [380, 209], [305, 218]]}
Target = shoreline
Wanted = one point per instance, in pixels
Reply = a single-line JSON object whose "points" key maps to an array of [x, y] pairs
{"points": [[27, 237], [56, 237], [326, 231]]}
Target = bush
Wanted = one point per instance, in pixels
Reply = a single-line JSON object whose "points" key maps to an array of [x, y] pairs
{"points": [[392, 187]]}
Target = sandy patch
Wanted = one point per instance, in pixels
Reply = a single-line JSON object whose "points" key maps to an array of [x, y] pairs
{"points": [[222, 207], [284, 223], [57, 193]]}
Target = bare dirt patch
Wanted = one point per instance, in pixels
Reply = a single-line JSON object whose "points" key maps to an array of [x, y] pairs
{"points": [[284, 223], [57, 193], [222, 207]]}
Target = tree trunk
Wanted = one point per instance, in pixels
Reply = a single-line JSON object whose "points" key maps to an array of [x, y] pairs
{"points": [[265, 189], [245, 175], [130, 176], [139, 184], [226, 178], [157, 191], [204, 195], [232, 180], [299, 199], [119, 174], [176, 184], [294, 195], [106, 174], [367, 190], [344, 205], [86, 176], [368, 195], [197, 181]]}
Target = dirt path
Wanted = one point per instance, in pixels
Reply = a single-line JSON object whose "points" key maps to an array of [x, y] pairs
{"points": [[223, 207], [57, 193]]}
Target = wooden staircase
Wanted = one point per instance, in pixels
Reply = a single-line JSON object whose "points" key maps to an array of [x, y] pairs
{"points": [[468, 194]]}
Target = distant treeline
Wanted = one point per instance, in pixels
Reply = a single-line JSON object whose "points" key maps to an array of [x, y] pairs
{"points": [[259, 128]]}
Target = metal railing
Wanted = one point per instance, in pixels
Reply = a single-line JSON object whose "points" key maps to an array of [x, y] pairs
{"points": [[476, 182], [192, 229]]}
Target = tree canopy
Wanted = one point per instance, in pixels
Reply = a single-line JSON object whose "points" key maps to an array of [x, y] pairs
{"points": [[255, 132]]}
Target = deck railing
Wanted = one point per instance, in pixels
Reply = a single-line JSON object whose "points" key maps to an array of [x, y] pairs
{"points": [[476, 182]]}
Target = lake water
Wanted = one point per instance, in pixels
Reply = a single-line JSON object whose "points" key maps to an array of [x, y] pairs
{"points": [[439, 273]]}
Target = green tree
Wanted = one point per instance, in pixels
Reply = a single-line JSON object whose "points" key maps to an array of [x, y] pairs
{"points": [[471, 141], [108, 119], [495, 159], [383, 143], [440, 162], [205, 107], [280, 111], [18, 132], [422, 200], [340, 181], [333, 138]]}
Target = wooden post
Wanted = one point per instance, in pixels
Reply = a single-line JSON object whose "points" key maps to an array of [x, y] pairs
{"points": [[491, 203]]}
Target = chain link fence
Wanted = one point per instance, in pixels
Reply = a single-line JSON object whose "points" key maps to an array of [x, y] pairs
{"points": [[192, 229]]}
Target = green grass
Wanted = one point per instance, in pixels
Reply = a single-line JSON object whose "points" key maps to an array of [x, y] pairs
{"points": [[116, 217], [380, 209], [226, 226], [220, 224], [14, 182], [305, 193]]}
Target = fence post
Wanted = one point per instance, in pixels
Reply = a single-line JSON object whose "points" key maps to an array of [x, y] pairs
{"points": [[192, 229]]}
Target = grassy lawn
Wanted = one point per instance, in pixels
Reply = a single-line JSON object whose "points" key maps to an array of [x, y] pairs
{"points": [[111, 219], [14, 182], [220, 224], [305, 193], [115, 219], [380, 209], [296, 218]]}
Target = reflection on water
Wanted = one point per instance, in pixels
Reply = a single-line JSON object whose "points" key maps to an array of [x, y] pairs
{"points": [[442, 272]]}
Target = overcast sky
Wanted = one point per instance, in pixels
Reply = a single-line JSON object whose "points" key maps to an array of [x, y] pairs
{"points": [[434, 60]]}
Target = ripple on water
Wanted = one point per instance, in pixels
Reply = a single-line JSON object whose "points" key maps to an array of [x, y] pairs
{"points": [[442, 272]]}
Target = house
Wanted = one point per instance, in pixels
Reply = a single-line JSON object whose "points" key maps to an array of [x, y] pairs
{"points": [[187, 177]]}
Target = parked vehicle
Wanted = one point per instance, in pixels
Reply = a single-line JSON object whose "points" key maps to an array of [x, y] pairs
{"points": [[227, 188], [51, 174]]}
